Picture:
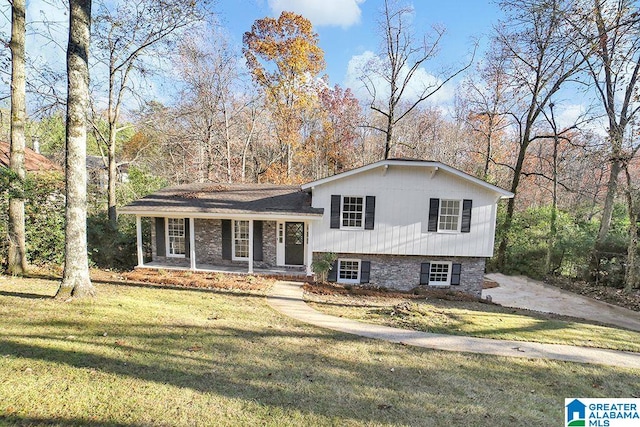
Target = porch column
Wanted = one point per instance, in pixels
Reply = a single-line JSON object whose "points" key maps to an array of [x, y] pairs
{"points": [[192, 244], [309, 249], [250, 270], [139, 240]]}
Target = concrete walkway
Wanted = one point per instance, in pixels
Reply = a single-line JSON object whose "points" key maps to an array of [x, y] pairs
{"points": [[522, 292], [286, 297]]}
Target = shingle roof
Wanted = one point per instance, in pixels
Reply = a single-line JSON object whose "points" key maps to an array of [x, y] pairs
{"points": [[33, 162], [211, 198]]}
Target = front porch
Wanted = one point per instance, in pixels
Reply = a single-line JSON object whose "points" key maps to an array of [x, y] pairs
{"points": [[262, 246]]}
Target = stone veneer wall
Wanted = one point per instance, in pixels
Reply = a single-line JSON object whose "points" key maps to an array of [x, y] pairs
{"points": [[402, 272], [208, 241], [208, 245]]}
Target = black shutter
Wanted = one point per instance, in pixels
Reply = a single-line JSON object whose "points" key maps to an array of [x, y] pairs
{"points": [[365, 271], [466, 216], [161, 248], [425, 270], [370, 213], [335, 210], [434, 207], [332, 275], [456, 269], [187, 237], [226, 239], [257, 240]]}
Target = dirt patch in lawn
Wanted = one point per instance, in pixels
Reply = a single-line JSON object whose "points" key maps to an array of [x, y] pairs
{"points": [[191, 279], [331, 289]]}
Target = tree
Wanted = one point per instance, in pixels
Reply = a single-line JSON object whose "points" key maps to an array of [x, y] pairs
{"points": [[485, 103], [284, 59], [17, 254], [397, 67], [76, 281], [212, 105], [610, 34], [536, 46], [340, 120], [124, 35], [632, 270]]}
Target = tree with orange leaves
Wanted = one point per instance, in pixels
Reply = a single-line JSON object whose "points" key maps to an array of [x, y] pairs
{"points": [[285, 60]]}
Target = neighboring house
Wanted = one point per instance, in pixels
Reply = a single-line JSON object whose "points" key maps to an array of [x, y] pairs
{"points": [[98, 173], [395, 224], [33, 162]]}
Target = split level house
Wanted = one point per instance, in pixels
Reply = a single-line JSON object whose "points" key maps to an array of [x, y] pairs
{"points": [[396, 224]]}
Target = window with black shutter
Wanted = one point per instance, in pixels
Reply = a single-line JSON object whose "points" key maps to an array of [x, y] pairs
{"points": [[353, 212], [449, 216]]}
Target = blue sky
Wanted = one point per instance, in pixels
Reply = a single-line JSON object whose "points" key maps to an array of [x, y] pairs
{"points": [[347, 32], [347, 28]]}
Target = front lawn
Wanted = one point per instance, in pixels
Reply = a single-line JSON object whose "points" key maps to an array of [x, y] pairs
{"points": [[142, 355]]}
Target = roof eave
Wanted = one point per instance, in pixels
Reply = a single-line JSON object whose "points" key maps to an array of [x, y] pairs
{"points": [[147, 212]]}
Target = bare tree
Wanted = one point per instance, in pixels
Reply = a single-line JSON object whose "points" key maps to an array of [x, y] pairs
{"points": [[17, 254], [485, 105], [76, 281], [126, 36], [610, 34], [212, 104], [397, 68], [537, 48]]}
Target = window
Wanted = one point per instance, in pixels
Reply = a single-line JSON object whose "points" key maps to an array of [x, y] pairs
{"points": [[439, 274], [176, 237], [349, 271], [240, 239], [449, 218], [352, 211]]}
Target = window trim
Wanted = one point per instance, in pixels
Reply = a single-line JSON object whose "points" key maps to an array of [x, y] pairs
{"points": [[234, 257], [459, 222], [440, 284], [168, 238], [362, 213], [349, 281]]}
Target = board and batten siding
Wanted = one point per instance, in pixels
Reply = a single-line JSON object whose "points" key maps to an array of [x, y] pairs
{"points": [[402, 214]]}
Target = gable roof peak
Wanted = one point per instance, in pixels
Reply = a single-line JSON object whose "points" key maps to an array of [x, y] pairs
{"points": [[411, 163]]}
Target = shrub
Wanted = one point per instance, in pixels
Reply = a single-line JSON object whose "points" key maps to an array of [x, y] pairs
{"points": [[44, 216]]}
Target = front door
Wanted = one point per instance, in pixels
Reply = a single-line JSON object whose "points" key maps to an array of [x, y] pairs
{"points": [[294, 243]]}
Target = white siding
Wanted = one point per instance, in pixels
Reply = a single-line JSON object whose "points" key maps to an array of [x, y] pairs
{"points": [[402, 211]]}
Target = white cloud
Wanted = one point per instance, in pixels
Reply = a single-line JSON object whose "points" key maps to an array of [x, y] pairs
{"points": [[330, 13], [421, 79]]}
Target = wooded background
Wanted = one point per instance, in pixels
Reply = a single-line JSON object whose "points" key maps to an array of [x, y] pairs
{"points": [[266, 113]]}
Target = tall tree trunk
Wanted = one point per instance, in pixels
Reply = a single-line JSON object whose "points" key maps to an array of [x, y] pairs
{"points": [[112, 175], [632, 279], [609, 201], [76, 280], [501, 258], [17, 260], [553, 226], [388, 138]]}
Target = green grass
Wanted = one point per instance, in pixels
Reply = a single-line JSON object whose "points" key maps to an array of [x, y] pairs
{"points": [[476, 319], [140, 356]]}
